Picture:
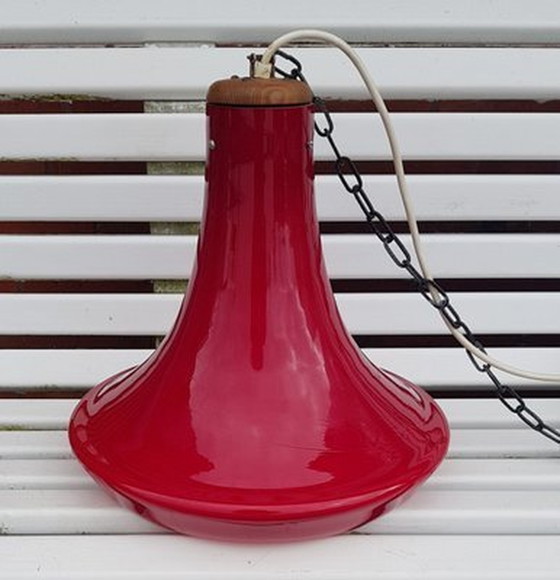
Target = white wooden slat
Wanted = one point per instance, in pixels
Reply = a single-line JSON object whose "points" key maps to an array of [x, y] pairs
{"points": [[36, 370], [179, 197], [487, 313], [24, 445], [90, 511], [455, 474], [97, 257], [447, 197], [381, 313], [489, 414], [41, 474], [474, 413], [102, 198], [389, 557], [179, 137], [490, 474], [67, 511], [463, 512], [18, 415], [433, 73], [126, 21], [185, 73], [500, 443], [64, 368], [450, 369], [103, 137], [449, 136], [465, 444], [347, 256]]}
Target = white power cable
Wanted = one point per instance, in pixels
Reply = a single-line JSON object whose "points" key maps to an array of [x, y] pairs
{"points": [[264, 69]]}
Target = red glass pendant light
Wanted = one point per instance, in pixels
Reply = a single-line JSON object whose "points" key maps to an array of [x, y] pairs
{"points": [[258, 418]]}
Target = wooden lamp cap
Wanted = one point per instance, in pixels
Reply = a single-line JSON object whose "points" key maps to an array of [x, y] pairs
{"points": [[258, 92]]}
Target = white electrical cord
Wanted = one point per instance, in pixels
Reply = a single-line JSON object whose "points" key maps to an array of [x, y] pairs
{"points": [[264, 69]]}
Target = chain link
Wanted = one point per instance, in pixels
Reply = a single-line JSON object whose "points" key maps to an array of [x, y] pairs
{"points": [[352, 182]]}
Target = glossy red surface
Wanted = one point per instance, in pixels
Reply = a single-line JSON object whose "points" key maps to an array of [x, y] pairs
{"points": [[258, 418]]}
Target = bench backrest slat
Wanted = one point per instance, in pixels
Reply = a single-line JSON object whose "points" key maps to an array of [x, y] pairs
{"points": [[63, 369], [348, 256], [81, 21], [178, 198], [184, 73], [396, 314], [180, 137]]}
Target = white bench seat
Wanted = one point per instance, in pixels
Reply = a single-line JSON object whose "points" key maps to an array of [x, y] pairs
{"points": [[475, 87]]}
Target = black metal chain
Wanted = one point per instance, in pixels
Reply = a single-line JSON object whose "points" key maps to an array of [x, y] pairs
{"points": [[352, 182]]}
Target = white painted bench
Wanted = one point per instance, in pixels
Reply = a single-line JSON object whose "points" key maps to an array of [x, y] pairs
{"points": [[477, 91]]}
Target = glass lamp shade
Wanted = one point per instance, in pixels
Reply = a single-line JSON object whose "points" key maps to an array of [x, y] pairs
{"points": [[258, 418]]}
